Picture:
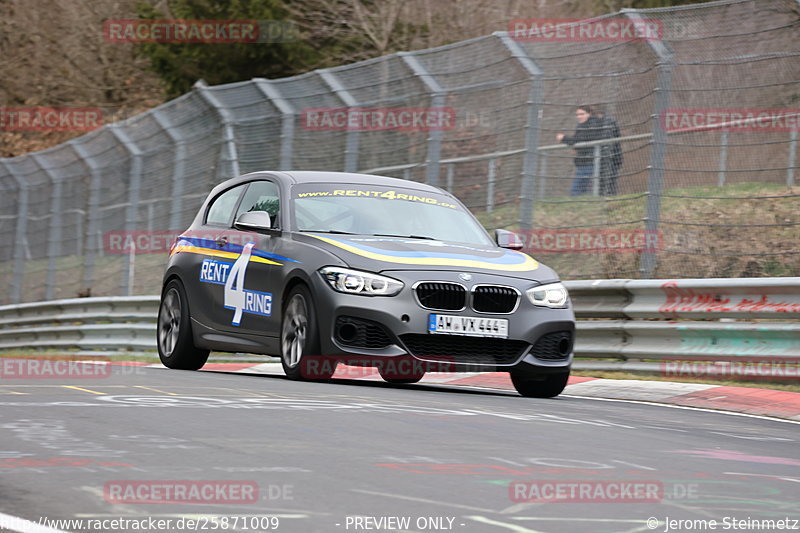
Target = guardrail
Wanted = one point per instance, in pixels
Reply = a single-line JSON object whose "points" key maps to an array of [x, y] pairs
{"points": [[693, 319], [106, 323]]}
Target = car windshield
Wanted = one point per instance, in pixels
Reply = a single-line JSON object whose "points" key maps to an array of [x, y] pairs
{"points": [[385, 211]]}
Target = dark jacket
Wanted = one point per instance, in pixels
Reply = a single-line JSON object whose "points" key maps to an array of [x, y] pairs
{"points": [[591, 130], [612, 151]]}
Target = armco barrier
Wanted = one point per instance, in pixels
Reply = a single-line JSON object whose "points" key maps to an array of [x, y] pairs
{"points": [[109, 323], [691, 319]]}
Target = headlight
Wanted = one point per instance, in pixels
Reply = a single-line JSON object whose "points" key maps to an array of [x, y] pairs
{"points": [[357, 282], [553, 295]]}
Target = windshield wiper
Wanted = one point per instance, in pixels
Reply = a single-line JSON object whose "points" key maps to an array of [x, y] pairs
{"points": [[329, 231], [405, 236]]}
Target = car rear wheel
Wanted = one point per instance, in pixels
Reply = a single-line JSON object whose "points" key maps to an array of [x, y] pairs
{"points": [[300, 353], [176, 348], [539, 386]]}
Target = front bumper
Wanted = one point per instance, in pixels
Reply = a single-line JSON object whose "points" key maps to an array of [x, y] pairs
{"points": [[533, 332]]}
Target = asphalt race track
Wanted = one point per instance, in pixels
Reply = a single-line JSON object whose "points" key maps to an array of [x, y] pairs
{"points": [[366, 456]]}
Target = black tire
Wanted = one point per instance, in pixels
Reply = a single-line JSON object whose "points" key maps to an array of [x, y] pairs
{"points": [[176, 347], [401, 370], [539, 386], [300, 347]]}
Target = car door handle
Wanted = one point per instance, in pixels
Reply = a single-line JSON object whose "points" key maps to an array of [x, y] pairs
{"points": [[221, 241]]}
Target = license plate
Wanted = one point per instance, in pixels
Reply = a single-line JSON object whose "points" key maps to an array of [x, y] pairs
{"points": [[468, 325]]}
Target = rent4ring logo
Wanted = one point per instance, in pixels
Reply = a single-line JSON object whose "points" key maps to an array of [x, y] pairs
{"points": [[232, 276]]}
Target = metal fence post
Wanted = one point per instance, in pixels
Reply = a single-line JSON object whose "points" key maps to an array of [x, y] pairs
{"points": [[450, 170], [490, 186], [93, 223], [287, 120], [351, 139], [792, 156], [438, 96], [542, 174], [134, 192], [596, 171], [54, 236], [178, 165], [228, 135], [532, 127], [20, 233], [655, 180], [723, 158]]}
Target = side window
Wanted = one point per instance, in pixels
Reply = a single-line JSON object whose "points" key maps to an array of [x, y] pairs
{"points": [[222, 207], [261, 196]]}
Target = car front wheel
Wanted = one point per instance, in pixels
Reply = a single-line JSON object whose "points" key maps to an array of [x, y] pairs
{"points": [[401, 370], [300, 355], [533, 385]]}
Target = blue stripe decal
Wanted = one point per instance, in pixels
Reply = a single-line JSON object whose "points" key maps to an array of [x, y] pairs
{"points": [[234, 248]]}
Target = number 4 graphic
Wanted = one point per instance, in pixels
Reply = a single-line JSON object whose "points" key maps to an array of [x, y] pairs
{"points": [[235, 296]]}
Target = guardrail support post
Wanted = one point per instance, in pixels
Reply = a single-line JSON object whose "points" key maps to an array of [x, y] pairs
{"points": [[287, 120], [655, 180], [532, 127], [228, 136], [351, 139], [438, 95], [134, 193], [178, 165], [20, 233]]}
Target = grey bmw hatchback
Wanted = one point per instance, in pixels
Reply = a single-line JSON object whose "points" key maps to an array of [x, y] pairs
{"points": [[323, 268]]}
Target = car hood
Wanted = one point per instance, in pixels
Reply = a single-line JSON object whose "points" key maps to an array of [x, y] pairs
{"points": [[377, 254]]}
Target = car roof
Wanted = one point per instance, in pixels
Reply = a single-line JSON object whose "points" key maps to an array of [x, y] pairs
{"points": [[314, 176]]}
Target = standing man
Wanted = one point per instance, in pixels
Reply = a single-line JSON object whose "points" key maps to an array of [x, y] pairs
{"points": [[611, 154], [588, 128]]}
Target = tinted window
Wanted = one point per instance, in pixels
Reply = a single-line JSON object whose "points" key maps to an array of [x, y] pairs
{"points": [[221, 209], [261, 196]]}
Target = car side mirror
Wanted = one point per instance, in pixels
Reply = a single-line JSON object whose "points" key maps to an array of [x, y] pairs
{"points": [[508, 239], [258, 221]]}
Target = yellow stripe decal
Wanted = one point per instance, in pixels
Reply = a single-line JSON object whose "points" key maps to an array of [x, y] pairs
{"points": [[528, 264], [220, 253]]}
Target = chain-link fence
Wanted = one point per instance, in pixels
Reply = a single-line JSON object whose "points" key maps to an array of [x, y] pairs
{"points": [[95, 215]]}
